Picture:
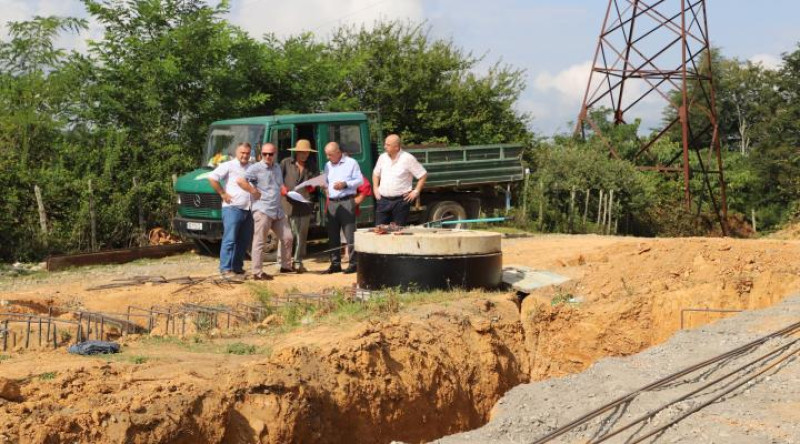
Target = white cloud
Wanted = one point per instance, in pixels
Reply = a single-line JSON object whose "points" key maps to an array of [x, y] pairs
{"points": [[284, 18], [22, 10], [559, 97], [555, 99], [13, 11], [767, 61], [570, 83]]}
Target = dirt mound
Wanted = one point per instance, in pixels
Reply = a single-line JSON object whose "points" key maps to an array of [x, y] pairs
{"points": [[631, 296]]}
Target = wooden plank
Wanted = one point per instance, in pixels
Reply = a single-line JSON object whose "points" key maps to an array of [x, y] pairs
{"points": [[121, 256]]}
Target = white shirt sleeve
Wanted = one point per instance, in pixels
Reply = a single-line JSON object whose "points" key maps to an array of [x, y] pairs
{"points": [[220, 173], [414, 167], [378, 165]]}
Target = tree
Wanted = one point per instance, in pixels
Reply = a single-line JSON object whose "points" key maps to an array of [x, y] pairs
{"points": [[426, 89]]}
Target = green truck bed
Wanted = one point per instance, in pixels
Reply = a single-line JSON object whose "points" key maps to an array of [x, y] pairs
{"points": [[464, 166]]}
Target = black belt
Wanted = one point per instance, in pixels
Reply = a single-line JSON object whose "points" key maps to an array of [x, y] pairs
{"points": [[392, 197], [339, 199]]}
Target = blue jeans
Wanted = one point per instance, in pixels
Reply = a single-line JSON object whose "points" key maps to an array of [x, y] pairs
{"points": [[237, 234]]}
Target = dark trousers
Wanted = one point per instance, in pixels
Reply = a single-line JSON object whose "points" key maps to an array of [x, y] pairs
{"points": [[341, 216], [392, 210]]}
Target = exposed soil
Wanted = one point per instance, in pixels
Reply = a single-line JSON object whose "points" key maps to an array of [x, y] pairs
{"points": [[423, 372]]}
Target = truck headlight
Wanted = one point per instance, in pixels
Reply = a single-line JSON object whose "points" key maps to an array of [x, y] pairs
{"points": [[179, 199]]}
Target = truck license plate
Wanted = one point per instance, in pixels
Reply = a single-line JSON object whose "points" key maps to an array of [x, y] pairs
{"points": [[194, 226]]}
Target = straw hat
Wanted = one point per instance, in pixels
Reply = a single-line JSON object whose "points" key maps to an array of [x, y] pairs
{"points": [[303, 145]]}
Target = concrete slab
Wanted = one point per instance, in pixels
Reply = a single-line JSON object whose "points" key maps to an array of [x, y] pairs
{"points": [[428, 242], [526, 279]]}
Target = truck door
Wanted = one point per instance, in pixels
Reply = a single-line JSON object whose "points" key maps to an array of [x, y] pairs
{"points": [[282, 136]]}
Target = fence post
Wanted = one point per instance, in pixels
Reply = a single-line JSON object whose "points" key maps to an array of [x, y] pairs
{"points": [[525, 195], [142, 238], [572, 192], [40, 203], [541, 205], [586, 207], [92, 219], [600, 207], [608, 211]]}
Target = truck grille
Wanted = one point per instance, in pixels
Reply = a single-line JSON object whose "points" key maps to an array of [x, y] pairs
{"points": [[200, 204]]}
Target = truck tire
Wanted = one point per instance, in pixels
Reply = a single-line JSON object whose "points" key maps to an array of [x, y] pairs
{"points": [[449, 209]]}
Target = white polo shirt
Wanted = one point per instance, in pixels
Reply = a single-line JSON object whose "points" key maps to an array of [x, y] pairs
{"points": [[229, 172], [397, 175]]}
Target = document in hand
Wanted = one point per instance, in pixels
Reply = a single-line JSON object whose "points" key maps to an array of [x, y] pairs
{"points": [[318, 181], [294, 195]]}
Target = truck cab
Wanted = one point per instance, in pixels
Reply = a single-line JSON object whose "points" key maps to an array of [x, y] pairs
{"points": [[199, 206], [463, 181]]}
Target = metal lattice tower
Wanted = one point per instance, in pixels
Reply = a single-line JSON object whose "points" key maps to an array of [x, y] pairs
{"points": [[659, 51]]}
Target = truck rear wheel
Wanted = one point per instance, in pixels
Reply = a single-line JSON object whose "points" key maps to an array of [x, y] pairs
{"points": [[449, 210]]}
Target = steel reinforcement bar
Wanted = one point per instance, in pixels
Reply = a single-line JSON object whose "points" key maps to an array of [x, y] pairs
{"points": [[791, 329], [750, 366]]}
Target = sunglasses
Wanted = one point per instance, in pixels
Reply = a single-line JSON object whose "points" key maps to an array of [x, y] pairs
{"points": [[267, 154]]}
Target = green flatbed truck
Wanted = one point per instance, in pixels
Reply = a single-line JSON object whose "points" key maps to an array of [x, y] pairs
{"points": [[462, 180]]}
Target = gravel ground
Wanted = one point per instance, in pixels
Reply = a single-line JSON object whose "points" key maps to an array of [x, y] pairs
{"points": [[766, 410]]}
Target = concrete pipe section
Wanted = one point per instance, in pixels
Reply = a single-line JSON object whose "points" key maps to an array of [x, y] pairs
{"points": [[426, 258]]}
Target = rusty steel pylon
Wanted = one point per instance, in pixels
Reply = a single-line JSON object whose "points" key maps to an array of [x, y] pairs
{"points": [[659, 50]]}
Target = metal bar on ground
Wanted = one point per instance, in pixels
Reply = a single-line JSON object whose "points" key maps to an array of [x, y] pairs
{"points": [[80, 327], [653, 412], [715, 398], [28, 333], [473, 221], [120, 256], [791, 329]]}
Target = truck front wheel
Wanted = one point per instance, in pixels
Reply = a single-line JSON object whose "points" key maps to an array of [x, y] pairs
{"points": [[449, 210]]}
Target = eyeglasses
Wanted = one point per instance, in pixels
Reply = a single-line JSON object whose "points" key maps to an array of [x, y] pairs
{"points": [[267, 154]]}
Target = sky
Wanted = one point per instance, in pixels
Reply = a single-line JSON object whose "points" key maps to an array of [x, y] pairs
{"points": [[552, 40]]}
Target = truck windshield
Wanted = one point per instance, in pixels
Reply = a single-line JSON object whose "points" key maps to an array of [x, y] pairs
{"points": [[223, 140]]}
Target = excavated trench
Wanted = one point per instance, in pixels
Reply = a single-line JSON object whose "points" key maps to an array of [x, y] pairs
{"points": [[412, 377]]}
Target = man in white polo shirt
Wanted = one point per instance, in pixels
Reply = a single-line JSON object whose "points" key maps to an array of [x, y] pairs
{"points": [[391, 181], [237, 222]]}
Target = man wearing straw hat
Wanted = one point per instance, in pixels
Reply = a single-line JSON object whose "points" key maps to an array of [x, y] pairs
{"points": [[298, 170]]}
